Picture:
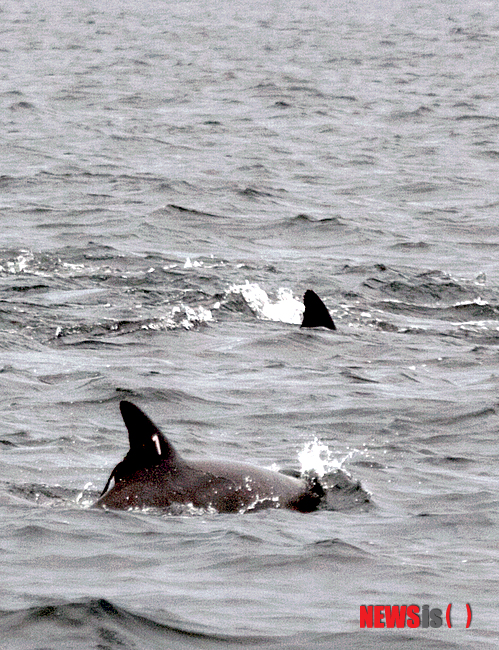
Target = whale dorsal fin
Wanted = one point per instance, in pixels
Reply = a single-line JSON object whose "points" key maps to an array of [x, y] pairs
{"points": [[316, 313], [146, 440], [148, 445]]}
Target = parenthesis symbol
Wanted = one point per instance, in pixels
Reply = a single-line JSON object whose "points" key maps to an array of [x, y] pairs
{"points": [[447, 615], [468, 622]]}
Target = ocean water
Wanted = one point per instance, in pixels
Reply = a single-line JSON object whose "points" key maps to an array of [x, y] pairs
{"points": [[173, 177]]}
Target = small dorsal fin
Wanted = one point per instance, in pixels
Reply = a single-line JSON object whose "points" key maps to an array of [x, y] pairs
{"points": [[148, 445], [146, 440], [316, 313]]}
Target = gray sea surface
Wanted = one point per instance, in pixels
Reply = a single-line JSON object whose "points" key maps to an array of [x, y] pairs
{"points": [[173, 177]]}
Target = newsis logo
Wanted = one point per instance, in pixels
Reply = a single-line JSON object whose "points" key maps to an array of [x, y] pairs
{"points": [[407, 615]]}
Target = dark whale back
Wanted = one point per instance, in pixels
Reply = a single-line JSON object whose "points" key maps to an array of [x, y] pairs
{"points": [[152, 474]]}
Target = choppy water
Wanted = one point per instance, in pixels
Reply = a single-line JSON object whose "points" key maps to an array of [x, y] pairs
{"points": [[173, 177]]}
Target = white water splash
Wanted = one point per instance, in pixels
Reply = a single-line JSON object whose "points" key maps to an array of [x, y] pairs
{"points": [[190, 265], [85, 499], [181, 316], [19, 264], [286, 309], [195, 315], [316, 458]]}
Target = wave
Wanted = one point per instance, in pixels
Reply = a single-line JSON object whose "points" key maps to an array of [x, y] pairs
{"points": [[433, 301], [472, 311], [177, 317], [164, 294], [89, 297], [96, 623]]}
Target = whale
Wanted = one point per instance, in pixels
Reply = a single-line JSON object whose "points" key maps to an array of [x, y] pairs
{"points": [[154, 475], [316, 313]]}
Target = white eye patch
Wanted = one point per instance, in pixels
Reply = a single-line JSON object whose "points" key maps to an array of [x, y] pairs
{"points": [[155, 439]]}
